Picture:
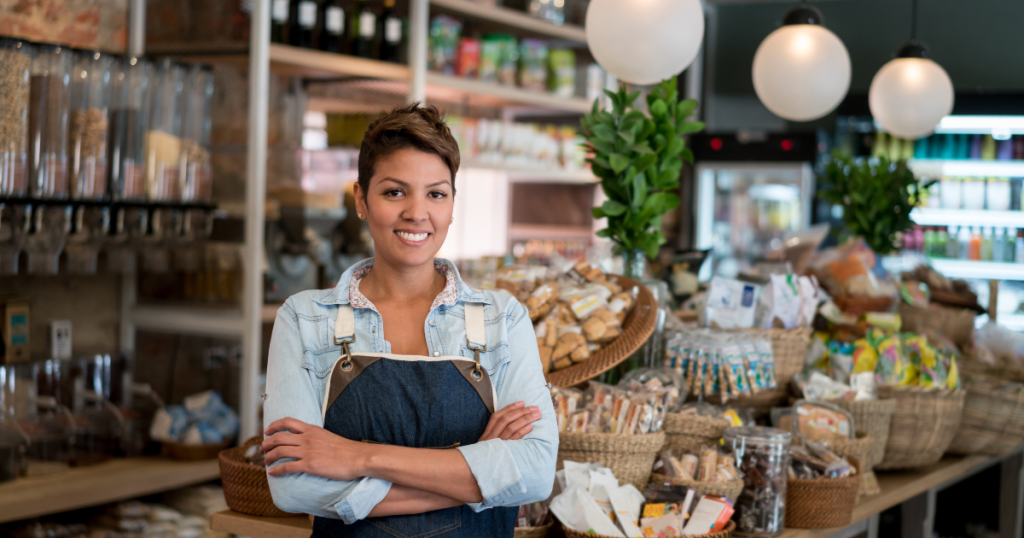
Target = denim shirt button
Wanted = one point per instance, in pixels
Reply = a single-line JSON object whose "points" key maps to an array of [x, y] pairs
{"points": [[437, 353], [431, 323]]}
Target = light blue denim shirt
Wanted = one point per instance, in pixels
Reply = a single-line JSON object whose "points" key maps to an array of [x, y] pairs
{"points": [[302, 354]]}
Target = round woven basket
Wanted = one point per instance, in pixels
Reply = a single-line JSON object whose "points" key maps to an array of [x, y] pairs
{"points": [[822, 503], [957, 324], [636, 329], [730, 488], [922, 427], [692, 431], [245, 484], [178, 451], [533, 532], [630, 457], [724, 533], [858, 306], [991, 422], [859, 449], [872, 417], [789, 348]]}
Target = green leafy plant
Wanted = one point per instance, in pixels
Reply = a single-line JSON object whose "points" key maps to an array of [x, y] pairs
{"points": [[877, 197], [638, 158]]}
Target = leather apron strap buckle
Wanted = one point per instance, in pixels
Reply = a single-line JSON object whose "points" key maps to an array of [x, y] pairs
{"points": [[476, 338], [345, 333]]}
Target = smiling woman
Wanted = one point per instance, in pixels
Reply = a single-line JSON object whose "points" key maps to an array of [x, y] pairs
{"points": [[402, 402]]}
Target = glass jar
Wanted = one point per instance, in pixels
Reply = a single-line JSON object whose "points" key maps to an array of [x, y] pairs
{"points": [[98, 423], [126, 157], [196, 170], [90, 125], [46, 424], [49, 99], [163, 132], [12, 439], [15, 69], [763, 456]]}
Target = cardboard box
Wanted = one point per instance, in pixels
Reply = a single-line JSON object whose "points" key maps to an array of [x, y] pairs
{"points": [[15, 329]]}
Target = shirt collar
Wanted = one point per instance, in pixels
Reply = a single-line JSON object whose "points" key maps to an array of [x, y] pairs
{"points": [[339, 294]]}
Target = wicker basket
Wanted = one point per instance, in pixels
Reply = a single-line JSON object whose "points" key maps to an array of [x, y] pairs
{"points": [[922, 427], [245, 484], [630, 457], [533, 532], [178, 451], [636, 329], [872, 417], [730, 489], [858, 449], [789, 347], [822, 503], [993, 417], [724, 533], [692, 431], [957, 324], [858, 306]]}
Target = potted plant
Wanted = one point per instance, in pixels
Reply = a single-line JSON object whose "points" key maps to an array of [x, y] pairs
{"points": [[638, 157]]}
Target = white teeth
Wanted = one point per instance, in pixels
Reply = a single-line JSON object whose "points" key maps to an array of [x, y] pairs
{"points": [[412, 237]]}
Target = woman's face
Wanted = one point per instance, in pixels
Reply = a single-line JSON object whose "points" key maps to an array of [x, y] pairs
{"points": [[408, 205]]}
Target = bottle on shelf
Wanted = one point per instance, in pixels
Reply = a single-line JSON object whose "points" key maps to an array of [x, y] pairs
{"points": [[1009, 256], [279, 21], [999, 245], [919, 244], [390, 33], [929, 242], [364, 30], [303, 17], [986, 244], [1018, 247], [953, 243], [941, 243], [974, 250], [965, 243], [332, 26]]}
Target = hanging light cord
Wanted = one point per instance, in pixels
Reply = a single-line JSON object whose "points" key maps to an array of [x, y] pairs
{"points": [[913, 20]]}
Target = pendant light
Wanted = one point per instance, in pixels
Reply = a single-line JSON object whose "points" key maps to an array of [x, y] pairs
{"points": [[801, 71], [911, 94], [644, 41]]}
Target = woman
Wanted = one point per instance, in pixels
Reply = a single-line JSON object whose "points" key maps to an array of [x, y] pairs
{"points": [[381, 393]]}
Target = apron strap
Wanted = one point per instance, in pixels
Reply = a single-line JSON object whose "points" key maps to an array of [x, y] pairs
{"points": [[475, 335], [345, 325]]}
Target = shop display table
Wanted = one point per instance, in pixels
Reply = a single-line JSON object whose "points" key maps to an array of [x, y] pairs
{"points": [[915, 490]]}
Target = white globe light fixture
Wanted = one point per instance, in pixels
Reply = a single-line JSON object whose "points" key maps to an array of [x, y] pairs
{"points": [[644, 41], [801, 71], [910, 94]]}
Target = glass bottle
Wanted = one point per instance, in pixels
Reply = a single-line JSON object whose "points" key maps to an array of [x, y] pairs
{"points": [[90, 92], [279, 21], [49, 97], [390, 32], [965, 243], [929, 242], [364, 32], [1010, 250], [999, 245], [1018, 247], [941, 242], [15, 70], [45, 422], [986, 245], [195, 168], [163, 133], [128, 120], [302, 17], [974, 253], [332, 26], [953, 243]]}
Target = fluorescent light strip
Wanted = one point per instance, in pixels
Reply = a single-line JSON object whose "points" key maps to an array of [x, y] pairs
{"points": [[927, 216], [1003, 126], [975, 168]]}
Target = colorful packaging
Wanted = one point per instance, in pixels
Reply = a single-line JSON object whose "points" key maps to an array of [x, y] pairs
{"points": [[443, 43], [533, 68], [562, 72], [467, 63]]}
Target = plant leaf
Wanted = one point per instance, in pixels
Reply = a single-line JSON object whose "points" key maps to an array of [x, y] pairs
{"points": [[684, 109], [659, 108], [687, 155], [675, 145], [641, 148], [604, 132], [618, 162], [690, 127], [628, 137], [613, 208]]}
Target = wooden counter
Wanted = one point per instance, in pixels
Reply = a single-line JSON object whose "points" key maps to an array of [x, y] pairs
{"points": [[896, 487]]}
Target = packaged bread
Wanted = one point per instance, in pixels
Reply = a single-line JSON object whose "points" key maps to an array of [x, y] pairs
{"points": [[545, 357]]}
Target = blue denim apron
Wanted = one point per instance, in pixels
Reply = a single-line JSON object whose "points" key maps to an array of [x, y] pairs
{"points": [[412, 401]]}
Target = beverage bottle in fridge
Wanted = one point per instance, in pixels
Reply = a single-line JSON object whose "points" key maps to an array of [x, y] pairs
{"points": [[364, 30], [919, 243], [941, 243], [390, 33], [303, 23], [1009, 250], [965, 243], [332, 26], [279, 21], [986, 245], [974, 245], [953, 243], [999, 245]]}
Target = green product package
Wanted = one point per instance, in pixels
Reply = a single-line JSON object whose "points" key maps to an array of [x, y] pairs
{"points": [[562, 72]]}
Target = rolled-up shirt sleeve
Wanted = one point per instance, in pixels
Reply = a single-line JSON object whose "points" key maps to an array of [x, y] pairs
{"points": [[513, 473], [294, 391]]}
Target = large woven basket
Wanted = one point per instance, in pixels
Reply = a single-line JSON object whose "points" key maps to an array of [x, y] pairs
{"points": [[724, 533], [533, 532], [789, 347], [246, 489], [922, 427], [993, 417], [692, 431], [857, 306], [957, 324], [630, 457], [872, 417], [821, 503], [730, 488], [636, 329], [179, 451], [859, 449]]}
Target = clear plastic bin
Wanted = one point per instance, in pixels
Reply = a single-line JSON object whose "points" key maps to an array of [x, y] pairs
{"points": [[762, 454], [90, 125], [15, 69], [49, 100], [128, 120]]}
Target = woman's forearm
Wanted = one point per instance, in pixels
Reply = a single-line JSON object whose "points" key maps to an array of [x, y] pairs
{"points": [[443, 472], [402, 500]]}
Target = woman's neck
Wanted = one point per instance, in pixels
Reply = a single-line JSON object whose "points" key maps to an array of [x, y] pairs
{"points": [[388, 283]]}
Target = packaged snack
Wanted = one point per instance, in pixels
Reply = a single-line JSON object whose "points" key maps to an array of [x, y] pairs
{"points": [[565, 402], [820, 421], [708, 464], [689, 464], [467, 64], [754, 366], [533, 58], [562, 72], [490, 57], [731, 304], [576, 508], [779, 304], [711, 514], [763, 344], [443, 43]]}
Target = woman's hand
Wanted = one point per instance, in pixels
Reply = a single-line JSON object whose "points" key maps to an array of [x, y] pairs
{"points": [[316, 451], [511, 423]]}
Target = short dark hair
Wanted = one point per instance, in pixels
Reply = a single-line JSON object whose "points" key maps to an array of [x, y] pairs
{"points": [[410, 126]]}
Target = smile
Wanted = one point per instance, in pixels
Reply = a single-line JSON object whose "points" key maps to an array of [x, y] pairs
{"points": [[413, 237]]}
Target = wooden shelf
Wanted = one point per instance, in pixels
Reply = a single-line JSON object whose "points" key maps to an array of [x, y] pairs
{"points": [[512, 18], [522, 174], [115, 480], [226, 322], [295, 62], [457, 90], [525, 232]]}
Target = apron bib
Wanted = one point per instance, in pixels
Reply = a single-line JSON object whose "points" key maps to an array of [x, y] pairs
{"points": [[412, 401]]}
